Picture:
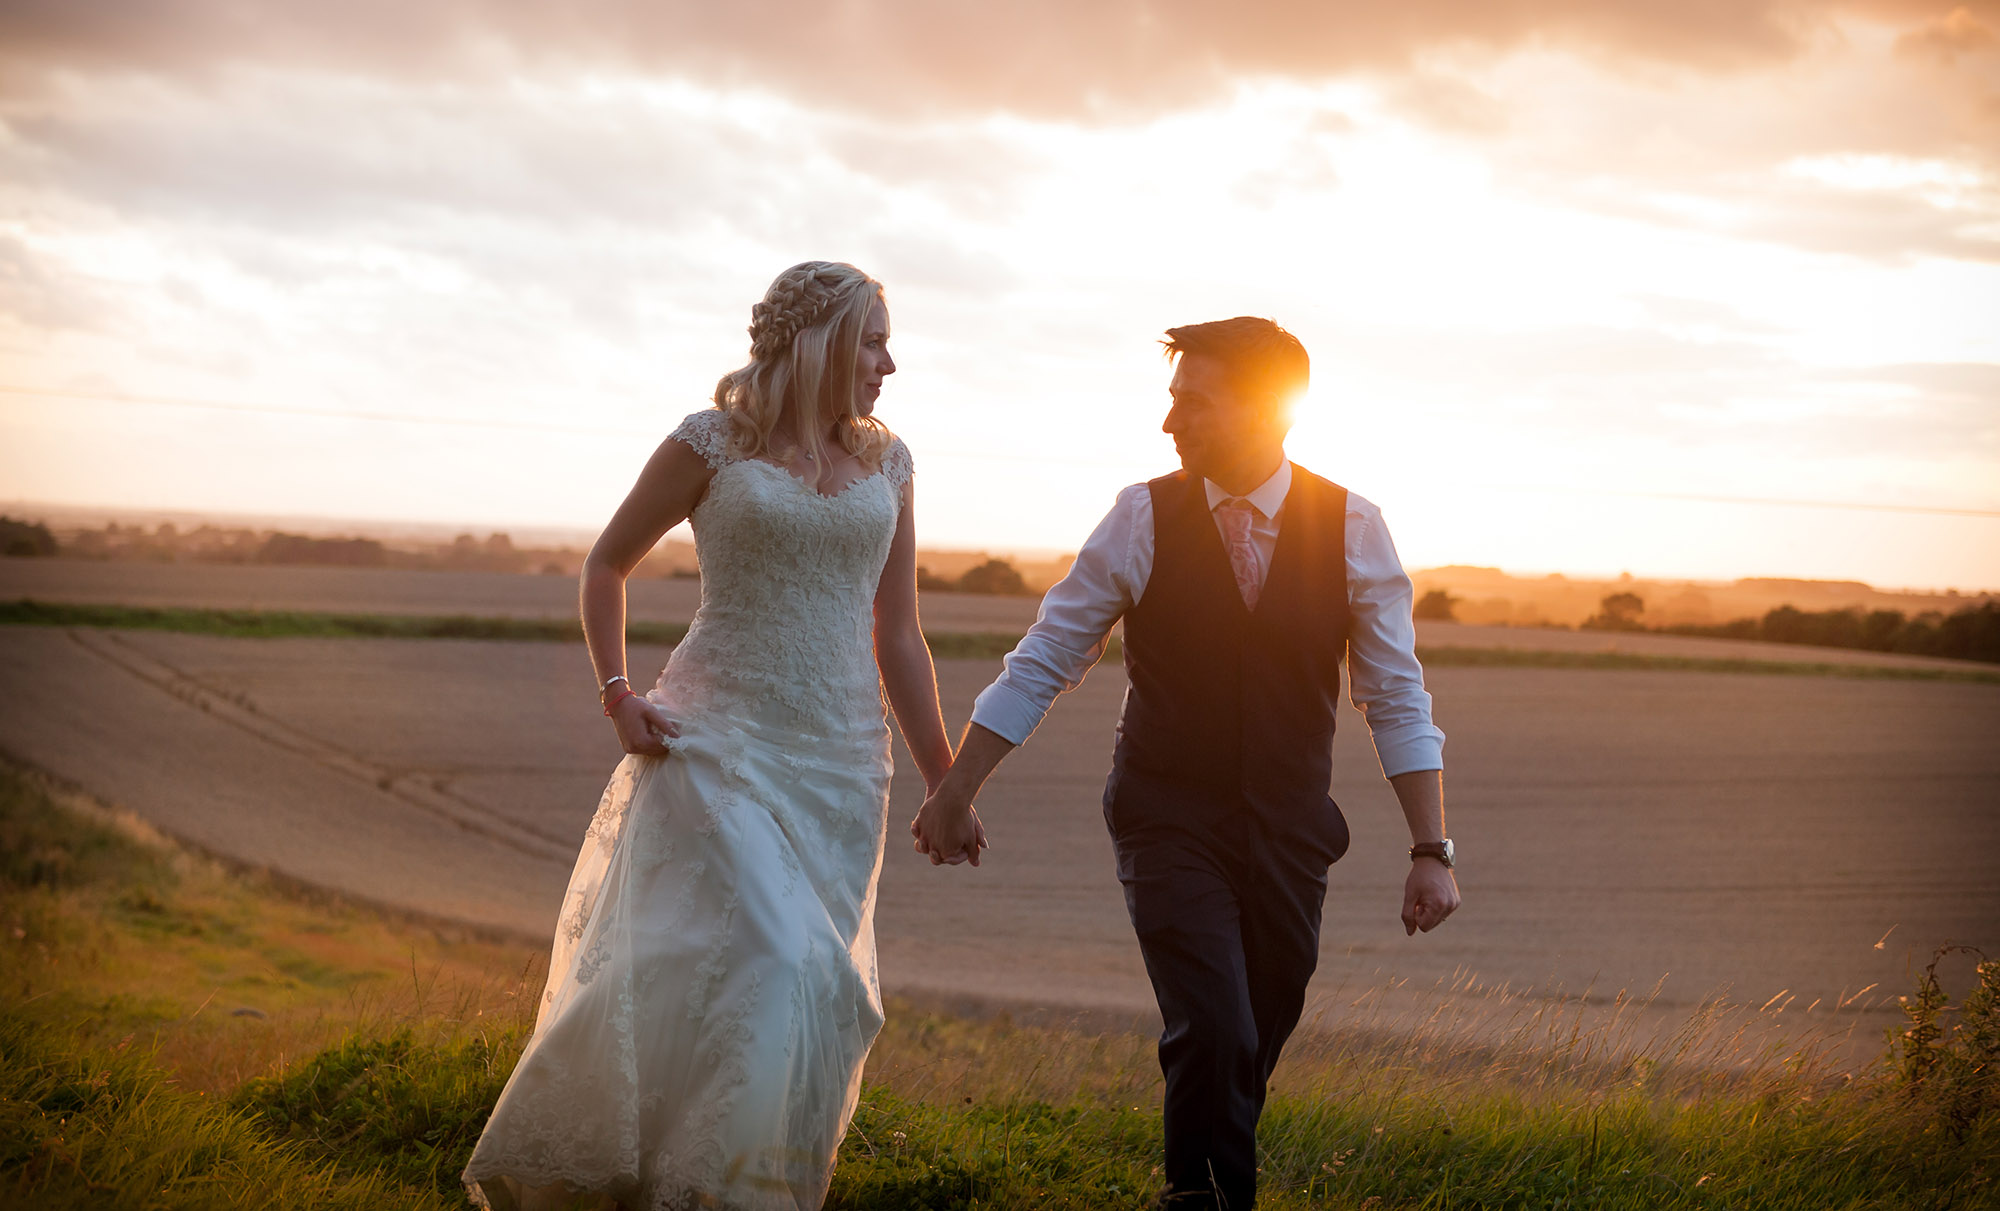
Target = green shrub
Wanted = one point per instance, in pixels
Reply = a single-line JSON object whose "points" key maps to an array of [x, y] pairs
{"points": [[1950, 1063]]}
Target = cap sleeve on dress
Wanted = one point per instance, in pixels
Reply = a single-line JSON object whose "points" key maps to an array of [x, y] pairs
{"points": [[707, 433], [897, 464]]}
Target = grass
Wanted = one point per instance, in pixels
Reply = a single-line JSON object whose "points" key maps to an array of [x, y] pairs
{"points": [[304, 624], [140, 986], [945, 645], [84, 1127], [175, 1034]]}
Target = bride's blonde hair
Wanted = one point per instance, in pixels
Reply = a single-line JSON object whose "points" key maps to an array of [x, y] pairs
{"points": [[805, 337]]}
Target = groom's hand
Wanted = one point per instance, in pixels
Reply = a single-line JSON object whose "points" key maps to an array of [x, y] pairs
{"points": [[947, 829], [1429, 895]]}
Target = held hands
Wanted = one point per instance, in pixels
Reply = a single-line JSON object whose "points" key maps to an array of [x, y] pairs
{"points": [[1429, 895], [643, 729], [947, 829]]}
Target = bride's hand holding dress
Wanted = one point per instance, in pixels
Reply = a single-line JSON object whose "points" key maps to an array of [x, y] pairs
{"points": [[644, 730]]}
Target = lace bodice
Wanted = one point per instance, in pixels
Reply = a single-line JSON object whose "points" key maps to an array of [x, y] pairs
{"points": [[788, 578]]}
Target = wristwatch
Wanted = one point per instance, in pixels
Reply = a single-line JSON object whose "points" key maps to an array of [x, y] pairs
{"points": [[1441, 850]]}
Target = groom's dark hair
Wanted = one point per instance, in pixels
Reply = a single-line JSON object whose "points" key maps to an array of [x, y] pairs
{"points": [[1263, 361]]}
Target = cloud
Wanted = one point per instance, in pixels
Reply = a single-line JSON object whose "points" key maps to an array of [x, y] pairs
{"points": [[975, 172], [325, 113], [924, 261], [1716, 387], [1699, 317], [1921, 408], [1971, 385], [1876, 225], [37, 295], [1447, 103], [309, 151], [1307, 168], [1641, 383], [446, 242], [1945, 40], [916, 57], [1855, 147]]}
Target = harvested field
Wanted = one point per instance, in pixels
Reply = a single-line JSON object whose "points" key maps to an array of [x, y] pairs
{"points": [[1758, 835]]}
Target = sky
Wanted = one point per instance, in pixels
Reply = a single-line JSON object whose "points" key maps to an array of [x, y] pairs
{"points": [[1690, 288]]}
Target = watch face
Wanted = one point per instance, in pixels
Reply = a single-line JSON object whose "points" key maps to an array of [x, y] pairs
{"points": [[1450, 853]]}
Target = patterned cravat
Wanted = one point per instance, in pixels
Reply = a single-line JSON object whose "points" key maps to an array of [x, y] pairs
{"points": [[1234, 514]]}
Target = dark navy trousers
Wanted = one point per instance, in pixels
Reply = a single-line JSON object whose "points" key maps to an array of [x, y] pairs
{"points": [[1227, 913]]}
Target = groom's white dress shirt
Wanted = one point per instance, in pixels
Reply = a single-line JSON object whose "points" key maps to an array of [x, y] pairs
{"points": [[1110, 575]]}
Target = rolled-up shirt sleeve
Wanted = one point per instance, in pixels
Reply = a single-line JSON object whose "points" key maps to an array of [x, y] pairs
{"points": [[1073, 625], [1384, 678]]}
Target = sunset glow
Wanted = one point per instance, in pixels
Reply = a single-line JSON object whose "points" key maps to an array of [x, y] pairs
{"points": [[1585, 291]]}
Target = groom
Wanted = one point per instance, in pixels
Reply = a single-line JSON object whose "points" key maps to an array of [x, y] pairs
{"points": [[1243, 580]]}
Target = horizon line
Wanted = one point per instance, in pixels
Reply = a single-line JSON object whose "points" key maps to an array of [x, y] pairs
{"points": [[216, 516]]}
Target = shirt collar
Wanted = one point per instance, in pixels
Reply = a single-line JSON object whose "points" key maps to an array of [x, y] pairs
{"points": [[1267, 498]]}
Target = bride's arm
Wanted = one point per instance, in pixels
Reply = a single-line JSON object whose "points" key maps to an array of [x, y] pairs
{"points": [[908, 676], [669, 488]]}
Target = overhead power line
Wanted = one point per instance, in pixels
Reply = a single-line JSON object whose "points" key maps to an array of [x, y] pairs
{"points": [[481, 422]]}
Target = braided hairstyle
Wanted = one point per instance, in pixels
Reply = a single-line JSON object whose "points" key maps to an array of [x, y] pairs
{"points": [[805, 336]]}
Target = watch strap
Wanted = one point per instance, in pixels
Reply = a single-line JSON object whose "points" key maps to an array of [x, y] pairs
{"points": [[1441, 850]]}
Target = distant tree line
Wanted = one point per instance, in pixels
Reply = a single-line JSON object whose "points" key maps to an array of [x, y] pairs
{"points": [[995, 578], [25, 538], [168, 543], [334, 552], [496, 552], [1435, 606], [1972, 633], [1619, 612]]}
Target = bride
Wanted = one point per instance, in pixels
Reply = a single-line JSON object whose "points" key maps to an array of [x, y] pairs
{"points": [[712, 989]]}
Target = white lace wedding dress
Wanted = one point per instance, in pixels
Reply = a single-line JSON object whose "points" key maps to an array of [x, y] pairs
{"points": [[712, 991]]}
